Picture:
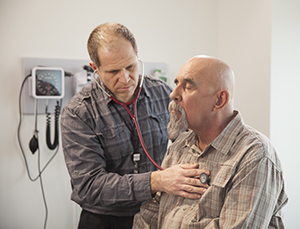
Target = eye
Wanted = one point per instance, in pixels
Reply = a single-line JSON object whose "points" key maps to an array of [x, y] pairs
{"points": [[130, 67], [187, 86], [113, 71]]}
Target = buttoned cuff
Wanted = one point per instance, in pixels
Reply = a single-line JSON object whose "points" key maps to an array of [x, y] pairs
{"points": [[142, 190]]}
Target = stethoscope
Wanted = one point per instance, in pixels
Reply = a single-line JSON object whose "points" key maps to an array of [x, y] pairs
{"points": [[134, 115]]}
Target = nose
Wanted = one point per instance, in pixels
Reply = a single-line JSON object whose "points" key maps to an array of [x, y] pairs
{"points": [[175, 95], [124, 76]]}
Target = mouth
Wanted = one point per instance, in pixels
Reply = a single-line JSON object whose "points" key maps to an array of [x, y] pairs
{"points": [[175, 109], [176, 113], [125, 88]]}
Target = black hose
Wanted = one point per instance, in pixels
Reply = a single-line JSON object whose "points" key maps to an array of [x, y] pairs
{"points": [[53, 145]]}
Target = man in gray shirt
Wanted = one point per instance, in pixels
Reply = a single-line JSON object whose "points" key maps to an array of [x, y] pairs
{"points": [[110, 174]]}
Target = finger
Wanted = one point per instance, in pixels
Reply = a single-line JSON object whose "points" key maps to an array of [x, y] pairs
{"points": [[189, 166], [195, 189], [206, 171], [195, 172], [189, 195], [195, 182]]}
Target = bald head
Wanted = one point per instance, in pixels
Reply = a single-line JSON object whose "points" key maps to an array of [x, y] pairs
{"points": [[213, 73]]}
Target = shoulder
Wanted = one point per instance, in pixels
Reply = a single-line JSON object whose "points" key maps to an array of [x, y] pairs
{"points": [[156, 85], [81, 100], [257, 146]]}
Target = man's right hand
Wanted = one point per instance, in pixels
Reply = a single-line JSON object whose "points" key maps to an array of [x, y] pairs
{"points": [[182, 180]]}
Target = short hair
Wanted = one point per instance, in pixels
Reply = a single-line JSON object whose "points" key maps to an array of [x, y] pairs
{"points": [[104, 34]]}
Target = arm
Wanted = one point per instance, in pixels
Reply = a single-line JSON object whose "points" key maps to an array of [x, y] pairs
{"points": [[86, 162]]}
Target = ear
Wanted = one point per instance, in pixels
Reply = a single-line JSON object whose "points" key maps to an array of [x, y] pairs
{"points": [[221, 101], [93, 65]]}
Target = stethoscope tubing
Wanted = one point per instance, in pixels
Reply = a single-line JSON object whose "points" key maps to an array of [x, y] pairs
{"points": [[134, 115]]}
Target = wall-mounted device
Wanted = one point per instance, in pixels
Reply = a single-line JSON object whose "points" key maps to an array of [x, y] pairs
{"points": [[46, 89], [82, 78], [48, 83], [68, 65]]}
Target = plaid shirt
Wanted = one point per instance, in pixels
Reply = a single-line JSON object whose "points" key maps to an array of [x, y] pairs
{"points": [[246, 188], [98, 139]]}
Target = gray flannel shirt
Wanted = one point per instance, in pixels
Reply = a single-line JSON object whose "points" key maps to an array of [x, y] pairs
{"points": [[98, 147], [246, 188]]}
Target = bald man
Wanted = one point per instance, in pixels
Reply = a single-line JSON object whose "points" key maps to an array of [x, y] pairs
{"points": [[245, 187]]}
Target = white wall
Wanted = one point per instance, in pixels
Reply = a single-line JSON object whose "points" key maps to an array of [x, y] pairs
{"points": [[244, 42], [285, 111], [166, 31], [170, 31]]}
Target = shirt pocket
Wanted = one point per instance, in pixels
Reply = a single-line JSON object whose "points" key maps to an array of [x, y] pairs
{"points": [[155, 134], [115, 144], [211, 203], [159, 123], [161, 118]]}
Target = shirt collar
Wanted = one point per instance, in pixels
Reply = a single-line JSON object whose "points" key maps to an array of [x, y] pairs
{"points": [[191, 141], [145, 90], [224, 141]]}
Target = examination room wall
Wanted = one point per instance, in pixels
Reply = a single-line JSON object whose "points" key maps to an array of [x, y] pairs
{"points": [[167, 31], [285, 110]]}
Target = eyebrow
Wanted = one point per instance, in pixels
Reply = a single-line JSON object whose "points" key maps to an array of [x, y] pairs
{"points": [[112, 70], [116, 70]]}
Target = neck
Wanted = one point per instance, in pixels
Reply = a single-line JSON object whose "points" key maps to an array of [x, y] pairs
{"points": [[209, 132], [206, 138]]}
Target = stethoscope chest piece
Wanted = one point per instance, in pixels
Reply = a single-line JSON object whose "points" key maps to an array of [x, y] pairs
{"points": [[204, 179]]}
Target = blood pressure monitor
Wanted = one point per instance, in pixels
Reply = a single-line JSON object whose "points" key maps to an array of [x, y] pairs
{"points": [[48, 83]]}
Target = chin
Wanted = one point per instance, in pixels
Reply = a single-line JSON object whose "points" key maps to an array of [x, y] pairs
{"points": [[125, 98]]}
